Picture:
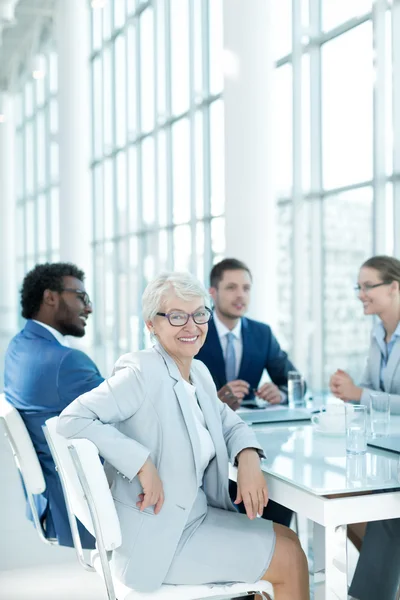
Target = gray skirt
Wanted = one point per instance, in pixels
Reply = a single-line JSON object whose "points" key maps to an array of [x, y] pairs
{"points": [[222, 547]]}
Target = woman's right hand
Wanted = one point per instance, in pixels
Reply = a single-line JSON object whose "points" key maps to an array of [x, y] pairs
{"points": [[335, 380], [153, 491], [342, 386]]}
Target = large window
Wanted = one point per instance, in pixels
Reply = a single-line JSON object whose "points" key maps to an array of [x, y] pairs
{"points": [[157, 154], [334, 79], [347, 108], [37, 166]]}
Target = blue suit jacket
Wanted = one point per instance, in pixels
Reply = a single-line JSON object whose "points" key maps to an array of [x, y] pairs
{"points": [[41, 378], [261, 351]]}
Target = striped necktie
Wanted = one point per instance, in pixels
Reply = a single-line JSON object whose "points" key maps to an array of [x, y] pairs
{"points": [[230, 358]]}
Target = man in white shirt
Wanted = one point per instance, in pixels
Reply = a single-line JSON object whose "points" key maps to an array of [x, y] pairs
{"points": [[238, 350]]}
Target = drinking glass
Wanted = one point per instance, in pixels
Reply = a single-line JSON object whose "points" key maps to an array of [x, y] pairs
{"points": [[380, 467], [295, 390], [380, 413], [356, 470], [356, 429]]}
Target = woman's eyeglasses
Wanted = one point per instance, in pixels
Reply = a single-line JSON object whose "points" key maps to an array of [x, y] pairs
{"points": [[366, 287], [179, 318]]}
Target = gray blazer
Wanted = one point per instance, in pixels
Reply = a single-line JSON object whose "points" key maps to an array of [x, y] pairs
{"points": [[143, 410], [371, 377]]}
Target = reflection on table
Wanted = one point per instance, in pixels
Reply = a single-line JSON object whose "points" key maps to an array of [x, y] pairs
{"points": [[318, 463]]}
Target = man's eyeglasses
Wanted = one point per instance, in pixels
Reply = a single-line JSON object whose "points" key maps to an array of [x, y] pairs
{"points": [[180, 318], [366, 287], [84, 296]]}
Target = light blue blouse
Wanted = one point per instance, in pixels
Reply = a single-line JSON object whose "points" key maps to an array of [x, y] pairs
{"points": [[385, 348]]}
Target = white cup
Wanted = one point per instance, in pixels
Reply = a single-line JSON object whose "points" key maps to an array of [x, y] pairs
{"points": [[331, 420]]}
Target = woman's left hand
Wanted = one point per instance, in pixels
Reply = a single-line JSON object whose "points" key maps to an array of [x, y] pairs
{"points": [[251, 485], [343, 387]]}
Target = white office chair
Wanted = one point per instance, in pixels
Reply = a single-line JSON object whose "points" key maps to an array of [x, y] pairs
{"points": [[89, 498], [26, 460], [31, 473]]}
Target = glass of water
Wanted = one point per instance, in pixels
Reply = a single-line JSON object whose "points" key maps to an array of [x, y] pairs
{"points": [[356, 470], [356, 429], [295, 390], [380, 413]]}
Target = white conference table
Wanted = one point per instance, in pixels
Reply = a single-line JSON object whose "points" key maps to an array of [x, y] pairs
{"points": [[310, 473]]}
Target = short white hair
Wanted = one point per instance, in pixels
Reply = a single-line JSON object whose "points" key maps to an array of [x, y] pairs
{"points": [[184, 285]]}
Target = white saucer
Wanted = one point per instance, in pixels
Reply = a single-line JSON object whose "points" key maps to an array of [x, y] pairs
{"points": [[329, 433]]}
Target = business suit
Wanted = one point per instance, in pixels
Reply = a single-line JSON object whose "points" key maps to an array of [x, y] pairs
{"points": [[143, 411], [41, 378], [261, 351], [378, 570]]}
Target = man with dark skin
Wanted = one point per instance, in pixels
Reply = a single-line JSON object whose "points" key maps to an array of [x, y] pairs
{"points": [[43, 374]]}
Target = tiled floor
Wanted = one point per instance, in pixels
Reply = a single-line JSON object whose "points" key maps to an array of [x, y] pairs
{"points": [[30, 570], [65, 581]]}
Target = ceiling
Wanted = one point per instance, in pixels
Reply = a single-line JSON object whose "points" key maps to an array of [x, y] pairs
{"points": [[20, 37]]}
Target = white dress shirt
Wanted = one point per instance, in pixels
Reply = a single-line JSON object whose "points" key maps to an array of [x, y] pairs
{"points": [[62, 339], [207, 448], [223, 331]]}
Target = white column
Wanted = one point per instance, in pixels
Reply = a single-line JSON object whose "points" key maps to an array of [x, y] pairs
{"points": [[73, 46], [313, 334], [382, 220], [8, 232], [249, 149], [300, 329], [396, 123]]}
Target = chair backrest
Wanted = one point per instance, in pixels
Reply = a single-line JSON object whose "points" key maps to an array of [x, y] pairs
{"points": [[79, 467], [24, 453]]}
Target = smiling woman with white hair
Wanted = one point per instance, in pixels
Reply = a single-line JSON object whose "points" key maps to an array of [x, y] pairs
{"points": [[167, 441]]}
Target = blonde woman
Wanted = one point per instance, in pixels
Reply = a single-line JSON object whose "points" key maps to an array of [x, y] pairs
{"points": [[378, 570]]}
